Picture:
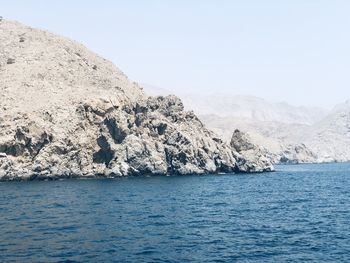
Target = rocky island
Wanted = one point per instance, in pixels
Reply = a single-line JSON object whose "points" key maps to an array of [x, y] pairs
{"points": [[66, 112]]}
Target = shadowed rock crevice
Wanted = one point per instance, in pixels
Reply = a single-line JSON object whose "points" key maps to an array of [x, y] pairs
{"points": [[26, 143], [105, 154], [118, 133]]}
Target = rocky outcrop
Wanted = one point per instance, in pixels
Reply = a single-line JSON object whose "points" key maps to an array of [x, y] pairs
{"points": [[251, 157], [65, 112], [153, 136], [294, 154], [283, 143]]}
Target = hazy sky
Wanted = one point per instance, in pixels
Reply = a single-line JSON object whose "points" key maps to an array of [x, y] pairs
{"points": [[296, 51]]}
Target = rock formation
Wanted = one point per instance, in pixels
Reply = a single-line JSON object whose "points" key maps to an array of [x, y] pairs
{"points": [[66, 112], [294, 154], [252, 157]]}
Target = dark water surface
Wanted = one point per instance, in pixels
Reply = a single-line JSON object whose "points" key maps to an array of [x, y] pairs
{"points": [[300, 213]]}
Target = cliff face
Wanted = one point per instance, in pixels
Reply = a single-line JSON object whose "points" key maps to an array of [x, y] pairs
{"points": [[66, 112], [152, 136], [252, 156]]}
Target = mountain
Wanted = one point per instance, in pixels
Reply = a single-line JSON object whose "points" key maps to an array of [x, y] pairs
{"points": [[330, 137], [246, 107], [286, 133], [326, 140], [307, 138], [252, 108], [66, 112]]}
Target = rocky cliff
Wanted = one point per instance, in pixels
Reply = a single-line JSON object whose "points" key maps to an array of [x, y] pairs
{"points": [[251, 154], [66, 112]]}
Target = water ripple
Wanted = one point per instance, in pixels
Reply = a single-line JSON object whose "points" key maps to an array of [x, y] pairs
{"points": [[299, 213]]}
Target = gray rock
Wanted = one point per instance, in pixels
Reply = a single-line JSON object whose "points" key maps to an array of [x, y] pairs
{"points": [[251, 157], [10, 61], [294, 154], [153, 136]]}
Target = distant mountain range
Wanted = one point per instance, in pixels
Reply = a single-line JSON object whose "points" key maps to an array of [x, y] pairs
{"points": [[288, 133]]}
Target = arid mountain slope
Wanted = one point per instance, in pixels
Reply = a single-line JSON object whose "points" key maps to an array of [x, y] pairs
{"points": [[65, 111], [330, 137]]}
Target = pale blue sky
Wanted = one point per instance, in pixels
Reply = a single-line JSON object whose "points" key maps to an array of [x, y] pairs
{"points": [[296, 51]]}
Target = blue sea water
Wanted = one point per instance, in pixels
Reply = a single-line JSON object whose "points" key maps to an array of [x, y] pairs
{"points": [[299, 213]]}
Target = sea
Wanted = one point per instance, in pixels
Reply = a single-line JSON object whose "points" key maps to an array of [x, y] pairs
{"points": [[300, 213]]}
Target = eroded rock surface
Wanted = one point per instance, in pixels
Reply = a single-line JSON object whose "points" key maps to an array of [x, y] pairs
{"points": [[152, 136], [251, 157], [294, 154]]}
